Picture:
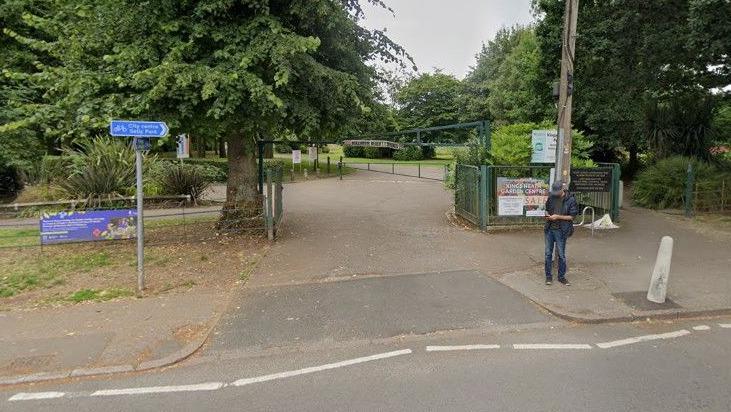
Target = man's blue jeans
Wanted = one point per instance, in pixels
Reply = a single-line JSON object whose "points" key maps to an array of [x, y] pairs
{"points": [[555, 236]]}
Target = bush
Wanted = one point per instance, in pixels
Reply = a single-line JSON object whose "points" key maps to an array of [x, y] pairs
{"points": [[215, 168], [10, 181], [353, 151], [409, 153], [102, 167], [282, 148], [325, 149], [185, 179], [40, 193], [662, 185]]}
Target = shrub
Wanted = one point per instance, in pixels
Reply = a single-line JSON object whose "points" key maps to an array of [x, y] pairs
{"points": [[282, 148], [40, 193], [375, 153], [102, 167], [185, 179], [428, 152], [325, 149], [408, 153], [10, 181], [353, 151], [216, 169], [662, 185]]}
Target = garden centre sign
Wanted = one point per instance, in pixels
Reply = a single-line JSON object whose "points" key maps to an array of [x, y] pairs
{"points": [[544, 146], [88, 226], [521, 197]]}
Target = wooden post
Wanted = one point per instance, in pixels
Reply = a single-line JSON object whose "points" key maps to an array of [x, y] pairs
{"points": [[565, 102]]}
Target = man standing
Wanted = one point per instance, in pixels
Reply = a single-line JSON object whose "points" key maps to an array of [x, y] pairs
{"points": [[561, 209]]}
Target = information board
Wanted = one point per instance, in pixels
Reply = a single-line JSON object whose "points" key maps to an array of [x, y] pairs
{"points": [[590, 180], [296, 157], [88, 226], [544, 146]]}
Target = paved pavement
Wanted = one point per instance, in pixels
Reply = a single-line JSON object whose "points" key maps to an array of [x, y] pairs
{"points": [[98, 338], [644, 366]]}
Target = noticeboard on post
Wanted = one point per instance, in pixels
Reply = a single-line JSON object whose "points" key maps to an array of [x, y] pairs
{"points": [[544, 146], [296, 157], [589, 180], [88, 226]]}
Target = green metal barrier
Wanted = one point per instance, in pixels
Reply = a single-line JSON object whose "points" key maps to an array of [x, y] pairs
{"points": [[476, 196]]}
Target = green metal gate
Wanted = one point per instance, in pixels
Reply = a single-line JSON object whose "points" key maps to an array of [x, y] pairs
{"points": [[467, 196]]}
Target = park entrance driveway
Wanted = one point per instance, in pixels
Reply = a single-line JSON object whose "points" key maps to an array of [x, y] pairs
{"points": [[373, 256], [373, 223]]}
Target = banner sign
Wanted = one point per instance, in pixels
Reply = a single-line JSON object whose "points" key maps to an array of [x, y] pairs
{"points": [[296, 157], [183, 150], [590, 180], [544, 146], [88, 226], [313, 153], [521, 196]]}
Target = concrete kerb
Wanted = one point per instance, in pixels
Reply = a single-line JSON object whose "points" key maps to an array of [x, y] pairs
{"points": [[668, 314], [169, 360]]}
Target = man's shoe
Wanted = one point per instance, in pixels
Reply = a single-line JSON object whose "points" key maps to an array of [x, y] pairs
{"points": [[564, 281], [549, 282]]}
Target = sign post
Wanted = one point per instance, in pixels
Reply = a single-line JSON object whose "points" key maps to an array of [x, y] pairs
{"points": [[142, 132]]}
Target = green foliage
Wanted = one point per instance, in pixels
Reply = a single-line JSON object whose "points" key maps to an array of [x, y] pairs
{"points": [[513, 97], [431, 100], [682, 126], [662, 185], [409, 153], [353, 151], [632, 56], [101, 167], [186, 179], [722, 124], [10, 181]]}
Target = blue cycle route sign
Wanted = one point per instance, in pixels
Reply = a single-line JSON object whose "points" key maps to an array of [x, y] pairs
{"points": [[131, 128]]}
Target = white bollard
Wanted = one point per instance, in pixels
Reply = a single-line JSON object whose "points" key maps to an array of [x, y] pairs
{"points": [[659, 282]]}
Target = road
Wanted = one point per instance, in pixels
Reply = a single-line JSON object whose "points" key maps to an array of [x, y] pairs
{"points": [[658, 366], [371, 300]]}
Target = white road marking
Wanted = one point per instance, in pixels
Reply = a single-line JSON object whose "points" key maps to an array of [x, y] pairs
{"points": [[211, 386], [540, 346], [460, 347], [645, 338], [26, 396], [701, 327], [725, 325], [313, 369]]}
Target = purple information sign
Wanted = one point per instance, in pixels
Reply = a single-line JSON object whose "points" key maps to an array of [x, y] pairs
{"points": [[88, 226]]}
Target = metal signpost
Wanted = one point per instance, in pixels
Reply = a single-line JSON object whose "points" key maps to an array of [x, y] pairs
{"points": [[142, 132]]}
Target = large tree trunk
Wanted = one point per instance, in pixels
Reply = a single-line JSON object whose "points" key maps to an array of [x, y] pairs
{"points": [[243, 202]]}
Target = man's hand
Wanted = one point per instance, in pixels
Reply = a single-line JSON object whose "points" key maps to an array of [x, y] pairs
{"points": [[552, 218]]}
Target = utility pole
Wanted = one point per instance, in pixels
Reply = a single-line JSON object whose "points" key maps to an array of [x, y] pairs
{"points": [[566, 90]]}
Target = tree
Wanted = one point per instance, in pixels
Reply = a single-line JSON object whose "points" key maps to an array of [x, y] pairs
{"points": [[244, 70], [429, 100], [489, 59], [634, 57], [513, 96]]}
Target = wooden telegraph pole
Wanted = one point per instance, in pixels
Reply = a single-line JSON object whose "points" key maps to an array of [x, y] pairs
{"points": [[565, 102]]}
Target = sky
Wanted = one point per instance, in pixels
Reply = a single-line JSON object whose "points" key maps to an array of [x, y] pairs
{"points": [[446, 34]]}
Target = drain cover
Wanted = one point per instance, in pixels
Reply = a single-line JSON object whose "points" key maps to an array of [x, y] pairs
{"points": [[638, 300]]}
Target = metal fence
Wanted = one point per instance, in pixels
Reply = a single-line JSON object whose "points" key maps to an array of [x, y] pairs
{"points": [[467, 199], [419, 170], [711, 200], [477, 194]]}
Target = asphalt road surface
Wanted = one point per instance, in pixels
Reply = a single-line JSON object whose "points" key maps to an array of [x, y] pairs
{"points": [[647, 366]]}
